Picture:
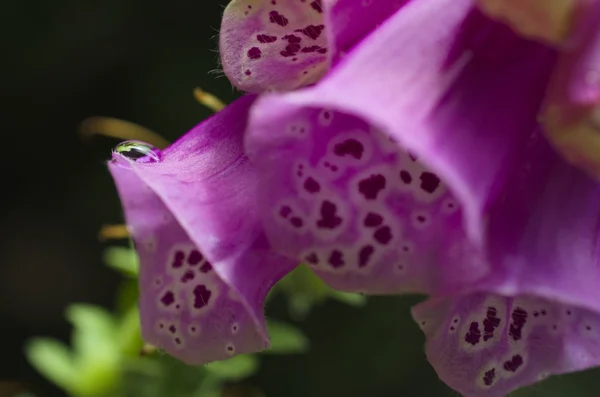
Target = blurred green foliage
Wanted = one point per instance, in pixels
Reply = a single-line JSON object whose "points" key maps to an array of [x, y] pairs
{"points": [[105, 357]]}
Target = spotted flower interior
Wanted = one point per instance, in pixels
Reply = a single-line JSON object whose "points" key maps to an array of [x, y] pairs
{"points": [[484, 345], [274, 44], [367, 216]]}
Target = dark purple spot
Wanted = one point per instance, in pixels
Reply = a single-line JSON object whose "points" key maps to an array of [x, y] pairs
{"points": [[543, 312], [371, 186], [207, 267], [336, 259], [293, 45], [193, 329], [313, 48], [254, 53], [316, 5], [489, 376], [265, 38], [172, 329], [514, 363], [229, 348], [365, 255], [373, 220], [285, 211], [247, 72], [311, 186], [278, 18], [194, 258], [473, 335], [312, 258], [519, 318], [168, 298], [178, 341], [201, 296], [292, 39], [312, 31], [406, 177], [161, 325], [297, 222], [429, 182], [188, 276], [329, 218], [178, 260], [490, 323], [383, 235], [350, 147]]}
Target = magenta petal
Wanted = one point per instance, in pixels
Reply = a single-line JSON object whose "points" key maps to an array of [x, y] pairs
{"points": [[205, 264], [463, 94], [485, 345], [349, 21], [273, 45], [338, 195], [540, 314]]}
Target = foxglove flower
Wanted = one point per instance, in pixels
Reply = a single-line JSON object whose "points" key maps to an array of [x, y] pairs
{"points": [[278, 45], [417, 164], [205, 264]]}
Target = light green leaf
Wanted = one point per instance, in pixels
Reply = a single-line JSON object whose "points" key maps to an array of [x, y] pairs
{"points": [[96, 350], [235, 368], [124, 260], [286, 339], [349, 298], [130, 336], [95, 333], [303, 290], [54, 360]]}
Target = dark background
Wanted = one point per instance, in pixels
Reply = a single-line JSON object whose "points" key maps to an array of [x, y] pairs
{"points": [[65, 60]]}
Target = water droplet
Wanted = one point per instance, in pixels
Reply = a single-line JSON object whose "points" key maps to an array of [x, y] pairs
{"points": [[138, 151]]}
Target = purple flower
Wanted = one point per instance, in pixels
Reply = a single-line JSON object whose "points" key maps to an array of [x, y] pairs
{"points": [[283, 44], [205, 265], [417, 163]]}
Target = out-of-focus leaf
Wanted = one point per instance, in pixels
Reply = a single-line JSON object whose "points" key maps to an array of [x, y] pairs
{"points": [[96, 349], [349, 298], [286, 339], [124, 260], [127, 295], [235, 368], [303, 290], [130, 337], [95, 331], [54, 360]]}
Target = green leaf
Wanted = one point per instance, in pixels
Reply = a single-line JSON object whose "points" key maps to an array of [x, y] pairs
{"points": [[124, 260], [54, 360], [127, 295], [97, 350], [303, 290], [286, 339], [95, 334], [235, 368], [130, 336], [351, 299]]}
